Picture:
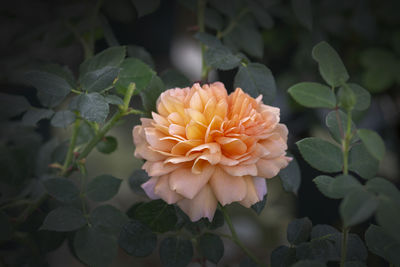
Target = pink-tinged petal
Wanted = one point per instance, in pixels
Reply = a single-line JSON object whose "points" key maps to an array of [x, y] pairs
{"points": [[232, 146], [188, 184], [228, 161], [159, 119], [269, 168], [184, 146], [196, 103], [261, 187], [148, 187], [158, 168], [208, 148], [143, 151], [175, 129], [176, 118], [251, 195], [282, 130], [227, 188], [275, 145], [138, 135], [240, 170], [176, 160], [202, 205], [153, 137], [162, 190], [146, 122]]}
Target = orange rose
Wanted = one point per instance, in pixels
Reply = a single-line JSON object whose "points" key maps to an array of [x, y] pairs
{"points": [[205, 147]]}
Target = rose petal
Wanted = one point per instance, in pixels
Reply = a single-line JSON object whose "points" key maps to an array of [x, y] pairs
{"points": [[158, 168], [148, 187], [269, 168], [227, 188], [162, 190], [252, 195]]}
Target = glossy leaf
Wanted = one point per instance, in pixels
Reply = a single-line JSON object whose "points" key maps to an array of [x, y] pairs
{"points": [[330, 65], [175, 252], [99, 80], [313, 95], [221, 58], [140, 53], [64, 219], [373, 143], [321, 154], [338, 187], [108, 219], [62, 189], [157, 215], [137, 239], [150, 95], [336, 121], [111, 58], [291, 177], [361, 162], [93, 107], [363, 97], [381, 243], [256, 79], [103, 187], [114, 100], [63, 118]]}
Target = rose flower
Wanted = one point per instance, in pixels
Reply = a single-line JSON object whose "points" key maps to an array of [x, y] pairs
{"points": [[205, 147]]}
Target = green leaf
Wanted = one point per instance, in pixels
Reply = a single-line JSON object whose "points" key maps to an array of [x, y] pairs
{"points": [[103, 188], [137, 239], [357, 206], [313, 95], [108, 145], [261, 14], [114, 100], [211, 247], [321, 154], [221, 58], [208, 39], [63, 118], [52, 89], [331, 66], [324, 185], [61, 71], [356, 249], [147, 7], [385, 188], [259, 206], [111, 57], [133, 70], [85, 133], [34, 115], [108, 219], [291, 177], [62, 189], [157, 215], [12, 105], [150, 95], [373, 143], [336, 121], [94, 247], [175, 252], [6, 228], [138, 178], [388, 216], [323, 230], [346, 98], [256, 79], [248, 262], [93, 107], [302, 10], [361, 162], [173, 78], [140, 53], [382, 244], [283, 256], [338, 187], [99, 80], [245, 32], [299, 230], [64, 219], [363, 97]]}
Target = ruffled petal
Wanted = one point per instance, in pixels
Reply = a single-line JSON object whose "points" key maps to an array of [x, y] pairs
{"points": [[252, 195], [148, 187], [227, 188], [269, 168], [162, 190]]}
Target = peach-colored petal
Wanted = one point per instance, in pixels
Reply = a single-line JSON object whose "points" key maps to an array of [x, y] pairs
{"points": [[202, 205], [143, 151], [252, 196], [162, 189], [261, 187], [269, 168], [227, 188], [188, 184], [154, 136], [158, 168], [240, 170], [148, 187]]}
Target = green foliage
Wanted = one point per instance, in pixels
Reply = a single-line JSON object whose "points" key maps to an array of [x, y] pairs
{"points": [[211, 247], [150, 95], [338, 187], [64, 219], [108, 219], [382, 244], [302, 10], [63, 118], [34, 115], [12, 105], [137, 178], [357, 206], [62, 189], [336, 121], [388, 216], [321, 154], [175, 252], [99, 80], [373, 143], [299, 230], [140, 53], [256, 79], [362, 162], [313, 95], [94, 247], [283, 256], [137, 239], [330, 65], [157, 215], [114, 100], [93, 107], [103, 188], [362, 96], [173, 78], [291, 177], [259, 206], [108, 145], [111, 57], [346, 98]]}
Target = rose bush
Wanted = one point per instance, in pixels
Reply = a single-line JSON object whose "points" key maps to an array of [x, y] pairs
{"points": [[205, 147]]}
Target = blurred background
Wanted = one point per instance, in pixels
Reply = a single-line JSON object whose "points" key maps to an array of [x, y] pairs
{"points": [[366, 34]]}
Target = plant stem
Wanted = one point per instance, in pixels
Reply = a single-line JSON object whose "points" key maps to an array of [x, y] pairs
{"points": [[201, 5], [235, 237], [344, 246], [82, 193], [346, 144], [70, 153]]}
